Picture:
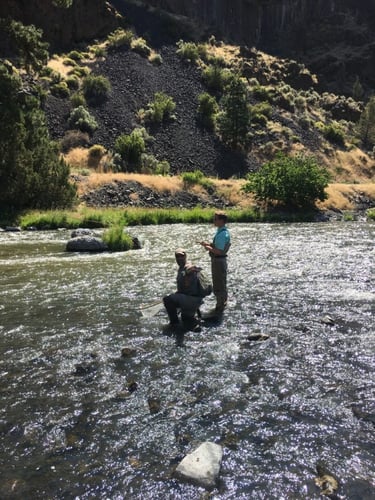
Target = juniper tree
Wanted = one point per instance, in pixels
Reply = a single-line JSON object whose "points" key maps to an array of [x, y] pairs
{"points": [[366, 124], [234, 119]]}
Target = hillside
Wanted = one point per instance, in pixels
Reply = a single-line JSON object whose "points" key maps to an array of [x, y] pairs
{"points": [[291, 111], [296, 117]]}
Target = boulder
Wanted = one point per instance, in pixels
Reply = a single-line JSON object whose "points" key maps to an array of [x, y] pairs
{"points": [[202, 466], [81, 232], [86, 244]]}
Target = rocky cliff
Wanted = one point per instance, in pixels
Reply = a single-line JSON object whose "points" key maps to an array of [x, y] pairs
{"points": [[335, 38], [63, 27]]}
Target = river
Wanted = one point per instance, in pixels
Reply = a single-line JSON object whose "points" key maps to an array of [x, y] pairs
{"points": [[80, 420]]}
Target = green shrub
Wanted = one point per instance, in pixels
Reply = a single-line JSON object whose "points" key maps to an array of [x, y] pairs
{"points": [[75, 55], [60, 90], [291, 181], [197, 177], [262, 93], [98, 51], [161, 109], [207, 110], [80, 71], [72, 82], [78, 99], [120, 38], [82, 120], [188, 51], [69, 62], [334, 133], [140, 46], [130, 149], [96, 151], [156, 59], [116, 239], [216, 77], [95, 89]]}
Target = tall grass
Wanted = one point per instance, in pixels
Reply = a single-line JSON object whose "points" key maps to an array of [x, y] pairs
{"points": [[113, 217], [116, 239]]}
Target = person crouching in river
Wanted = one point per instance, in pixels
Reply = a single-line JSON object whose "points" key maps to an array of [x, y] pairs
{"points": [[218, 250], [187, 298]]}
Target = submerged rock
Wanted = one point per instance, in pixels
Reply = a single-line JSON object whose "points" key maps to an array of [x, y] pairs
{"points": [[257, 336], [202, 466]]}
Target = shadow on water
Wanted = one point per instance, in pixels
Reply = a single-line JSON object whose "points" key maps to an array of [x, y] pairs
{"points": [[100, 401]]}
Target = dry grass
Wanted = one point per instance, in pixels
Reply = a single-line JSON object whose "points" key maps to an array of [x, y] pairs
{"points": [[339, 194]]}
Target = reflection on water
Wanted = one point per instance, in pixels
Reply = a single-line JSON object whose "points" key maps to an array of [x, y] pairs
{"points": [[77, 419]]}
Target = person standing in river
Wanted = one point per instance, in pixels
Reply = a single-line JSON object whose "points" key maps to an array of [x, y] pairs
{"points": [[218, 250]]}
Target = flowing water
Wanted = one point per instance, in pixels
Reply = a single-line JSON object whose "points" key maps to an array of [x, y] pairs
{"points": [[79, 420]]}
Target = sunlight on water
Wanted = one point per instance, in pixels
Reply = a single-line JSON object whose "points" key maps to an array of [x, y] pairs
{"points": [[79, 420]]}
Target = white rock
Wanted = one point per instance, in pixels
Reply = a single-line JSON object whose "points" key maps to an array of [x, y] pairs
{"points": [[202, 466]]}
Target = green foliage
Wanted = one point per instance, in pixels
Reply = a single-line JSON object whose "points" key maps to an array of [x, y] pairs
{"points": [[216, 77], [78, 99], [334, 133], [69, 62], [72, 82], [130, 148], [63, 4], [27, 43], [82, 120], [262, 93], [156, 59], [75, 55], [60, 90], [234, 120], [260, 112], [207, 110], [96, 151], [292, 181], [371, 213], [151, 165], [197, 177], [139, 45], [188, 51], [95, 89], [120, 38], [32, 174], [117, 240], [160, 109], [80, 71], [357, 91], [366, 125]]}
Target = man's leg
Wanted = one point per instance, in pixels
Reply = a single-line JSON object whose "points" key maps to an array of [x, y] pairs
{"points": [[219, 282], [171, 307]]}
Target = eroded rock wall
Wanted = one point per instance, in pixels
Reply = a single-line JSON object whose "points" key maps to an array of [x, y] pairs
{"points": [[85, 20], [262, 21]]}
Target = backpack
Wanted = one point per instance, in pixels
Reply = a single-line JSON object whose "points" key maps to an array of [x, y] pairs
{"points": [[204, 285]]}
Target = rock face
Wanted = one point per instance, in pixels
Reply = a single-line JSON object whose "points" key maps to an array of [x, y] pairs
{"points": [[335, 39], [83, 21]]}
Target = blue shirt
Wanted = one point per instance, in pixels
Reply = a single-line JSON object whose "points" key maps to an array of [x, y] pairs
{"points": [[222, 239]]}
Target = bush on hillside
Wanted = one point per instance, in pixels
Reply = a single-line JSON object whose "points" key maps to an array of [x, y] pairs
{"points": [[291, 181], [82, 120], [207, 110], [159, 110], [95, 89], [130, 149]]}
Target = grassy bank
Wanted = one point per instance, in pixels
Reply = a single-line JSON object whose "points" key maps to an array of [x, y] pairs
{"points": [[102, 218]]}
